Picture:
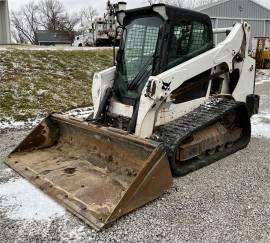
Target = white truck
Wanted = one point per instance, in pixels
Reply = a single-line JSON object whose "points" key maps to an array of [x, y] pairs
{"points": [[101, 31]]}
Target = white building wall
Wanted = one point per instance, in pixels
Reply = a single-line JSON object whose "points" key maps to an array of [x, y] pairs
{"points": [[5, 37]]}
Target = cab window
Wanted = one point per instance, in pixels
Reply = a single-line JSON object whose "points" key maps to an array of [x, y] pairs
{"points": [[187, 40]]}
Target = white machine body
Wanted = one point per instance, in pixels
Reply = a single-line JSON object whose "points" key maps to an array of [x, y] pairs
{"points": [[158, 108]]}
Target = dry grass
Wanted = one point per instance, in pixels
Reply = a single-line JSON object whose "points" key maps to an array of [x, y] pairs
{"points": [[43, 81]]}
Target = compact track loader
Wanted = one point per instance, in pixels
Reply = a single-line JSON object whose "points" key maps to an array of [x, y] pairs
{"points": [[172, 104]]}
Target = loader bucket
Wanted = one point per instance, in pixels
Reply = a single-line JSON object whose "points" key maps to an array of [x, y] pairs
{"points": [[97, 173]]}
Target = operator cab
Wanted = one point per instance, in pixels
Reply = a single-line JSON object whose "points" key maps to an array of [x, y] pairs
{"points": [[155, 39]]}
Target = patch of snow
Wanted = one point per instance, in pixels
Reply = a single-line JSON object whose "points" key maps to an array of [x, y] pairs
{"points": [[25, 202], [41, 91], [81, 113], [60, 73], [10, 123], [79, 233], [263, 81], [6, 172], [261, 125], [2, 69], [262, 76], [49, 48]]}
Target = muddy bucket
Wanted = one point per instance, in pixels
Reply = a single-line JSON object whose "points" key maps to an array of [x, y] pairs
{"points": [[97, 173]]}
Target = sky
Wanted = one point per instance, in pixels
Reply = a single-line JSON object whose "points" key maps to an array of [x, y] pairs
{"points": [[76, 5]]}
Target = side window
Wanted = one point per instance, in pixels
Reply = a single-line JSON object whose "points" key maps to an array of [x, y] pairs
{"points": [[187, 40], [199, 38], [180, 35]]}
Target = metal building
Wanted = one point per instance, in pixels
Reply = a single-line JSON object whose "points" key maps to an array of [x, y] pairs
{"points": [[4, 23], [225, 13]]}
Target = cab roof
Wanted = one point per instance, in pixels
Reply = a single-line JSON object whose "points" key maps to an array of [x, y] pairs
{"points": [[168, 13]]}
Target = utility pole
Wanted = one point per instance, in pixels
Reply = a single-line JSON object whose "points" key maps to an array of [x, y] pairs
{"points": [[5, 37]]}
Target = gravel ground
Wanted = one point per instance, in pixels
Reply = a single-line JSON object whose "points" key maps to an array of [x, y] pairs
{"points": [[228, 201]]}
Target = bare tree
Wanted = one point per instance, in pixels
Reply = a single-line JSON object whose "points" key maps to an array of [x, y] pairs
{"points": [[41, 15], [177, 3], [68, 22], [51, 12], [151, 2], [18, 37], [88, 14], [182, 3], [54, 16], [25, 22]]}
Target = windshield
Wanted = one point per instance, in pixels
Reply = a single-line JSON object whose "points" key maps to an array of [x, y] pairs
{"points": [[140, 44]]}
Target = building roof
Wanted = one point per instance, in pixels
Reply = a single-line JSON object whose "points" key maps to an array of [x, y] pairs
{"points": [[47, 36], [210, 5]]}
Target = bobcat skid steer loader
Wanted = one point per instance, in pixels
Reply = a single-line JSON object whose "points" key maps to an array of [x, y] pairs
{"points": [[172, 104]]}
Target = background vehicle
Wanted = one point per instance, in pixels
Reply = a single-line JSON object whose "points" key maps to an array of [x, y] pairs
{"points": [[85, 39], [103, 30], [262, 55]]}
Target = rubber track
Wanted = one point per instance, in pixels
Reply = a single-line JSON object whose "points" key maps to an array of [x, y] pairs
{"points": [[175, 132]]}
